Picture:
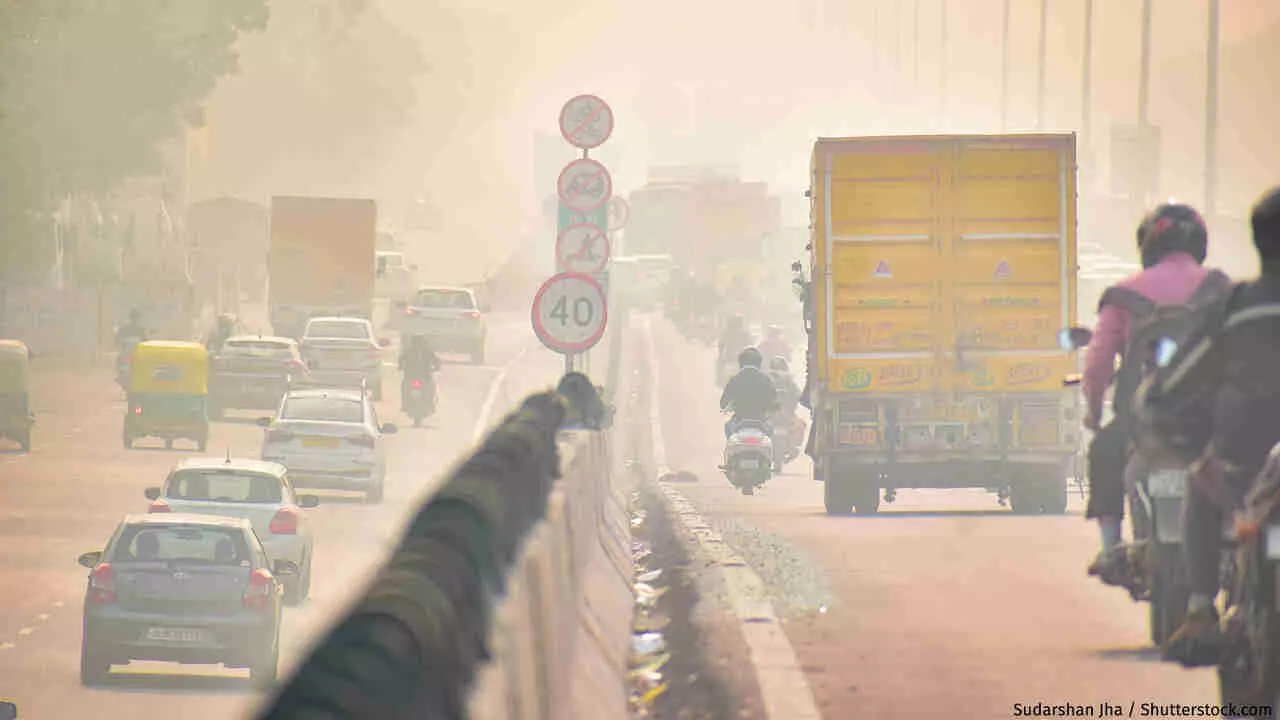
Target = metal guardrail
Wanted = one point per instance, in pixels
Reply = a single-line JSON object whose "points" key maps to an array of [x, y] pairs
{"points": [[414, 643]]}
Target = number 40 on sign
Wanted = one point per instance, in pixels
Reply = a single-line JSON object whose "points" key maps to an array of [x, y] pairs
{"points": [[569, 313]]}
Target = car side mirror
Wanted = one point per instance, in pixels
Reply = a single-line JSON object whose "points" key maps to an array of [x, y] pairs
{"points": [[263, 422], [308, 501], [383, 342], [90, 559], [152, 493], [797, 267], [8, 711], [284, 567], [389, 429], [1166, 348]]}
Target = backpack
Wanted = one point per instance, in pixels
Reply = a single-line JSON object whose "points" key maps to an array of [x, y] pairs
{"points": [[1148, 323]]}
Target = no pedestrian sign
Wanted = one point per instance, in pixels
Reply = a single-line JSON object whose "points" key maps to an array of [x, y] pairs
{"points": [[582, 248], [586, 121], [569, 313], [584, 186]]}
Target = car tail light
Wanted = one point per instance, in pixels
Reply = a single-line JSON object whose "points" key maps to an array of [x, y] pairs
{"points": [[127, 359], [473, 314], [410, 312], [285, 522], [102, 584], [258, 595], [415, 384], [137, 411], [279, 435], [159, 506], [361, 440], [751, 440]]}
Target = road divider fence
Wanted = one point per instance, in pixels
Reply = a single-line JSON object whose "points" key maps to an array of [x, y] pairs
{"points": [[509, 595]]}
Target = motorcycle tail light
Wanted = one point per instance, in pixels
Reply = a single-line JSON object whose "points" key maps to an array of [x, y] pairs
{"points": [[416, 384], [751, 440]]}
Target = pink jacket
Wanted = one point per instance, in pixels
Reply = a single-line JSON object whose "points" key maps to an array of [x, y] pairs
{"points": [[1173, 280]]}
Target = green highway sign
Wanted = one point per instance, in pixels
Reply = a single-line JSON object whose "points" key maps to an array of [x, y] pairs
{"points": [[566, 217]]}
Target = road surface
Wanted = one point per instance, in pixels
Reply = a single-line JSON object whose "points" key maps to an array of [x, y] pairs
{"points": [[66, 496], [943, 605]]}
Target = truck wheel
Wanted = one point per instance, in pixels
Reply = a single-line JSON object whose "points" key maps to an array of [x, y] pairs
{"points": [[1023, 498], [1168, 606], [1053, 491], [866, 497], [836, 497]]}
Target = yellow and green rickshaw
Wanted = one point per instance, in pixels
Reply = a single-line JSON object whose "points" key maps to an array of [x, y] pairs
{"points": [[15, 401], [168, 388]]}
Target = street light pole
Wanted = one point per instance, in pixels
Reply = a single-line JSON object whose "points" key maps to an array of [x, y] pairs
{"points": [[944, 52], [1044, 48], [1086, 74], [1004, 68], [1144, 72], [1211, 114], [915, 45]]}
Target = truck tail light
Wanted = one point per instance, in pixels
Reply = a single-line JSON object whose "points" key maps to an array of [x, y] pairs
{"points": [[102, 585], [258, 595], [285, 522], [159, 506]]}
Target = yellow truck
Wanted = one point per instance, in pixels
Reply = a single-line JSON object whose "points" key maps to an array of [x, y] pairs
{"points": [[943, 268]]}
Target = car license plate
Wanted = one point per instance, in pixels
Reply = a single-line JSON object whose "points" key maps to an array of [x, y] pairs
{"points": [[1167, 483], [749, 463], [184, 635], [320, 442]]}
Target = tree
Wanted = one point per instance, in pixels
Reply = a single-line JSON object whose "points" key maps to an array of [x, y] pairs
{"points": [[90, 88]]}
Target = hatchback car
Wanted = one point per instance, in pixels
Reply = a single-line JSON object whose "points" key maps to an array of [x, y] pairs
{"points": [[192, 589], [257, 491], [253, 372], [343, 352], [450, 316], [329, 439]]}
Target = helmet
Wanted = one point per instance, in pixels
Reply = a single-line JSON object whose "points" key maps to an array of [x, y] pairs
{"points": [[1172, 227], [226, 320], [779, 363], [750, 357], [1265, 220]]}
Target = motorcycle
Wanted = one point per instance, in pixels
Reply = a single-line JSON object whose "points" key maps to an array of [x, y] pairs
{"points": [[788, 434], [124, 360], [1150, 567], [748, 456], [420, 401]]}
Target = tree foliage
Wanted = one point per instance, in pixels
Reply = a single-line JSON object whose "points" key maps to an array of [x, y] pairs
{"points": [[90, 88]]}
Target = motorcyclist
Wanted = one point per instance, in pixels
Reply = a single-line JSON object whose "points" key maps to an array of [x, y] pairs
{"points": [[132, 332], [1222, 395], [785, 384], [734, 339], [418, 361], [750, 394], [1172, 242], [774, 345], [224, 327]]}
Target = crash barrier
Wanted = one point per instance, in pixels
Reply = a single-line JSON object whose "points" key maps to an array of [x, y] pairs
{"points": [[508, 598]]}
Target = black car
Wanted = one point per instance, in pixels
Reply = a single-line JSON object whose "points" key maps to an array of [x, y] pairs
{"points": [[192, 589], [252, 372]]}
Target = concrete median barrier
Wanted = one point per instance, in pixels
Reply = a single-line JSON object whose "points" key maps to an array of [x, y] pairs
{"points": [[509, 597]]}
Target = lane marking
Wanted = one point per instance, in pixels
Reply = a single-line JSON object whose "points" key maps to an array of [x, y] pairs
{"points": [[7, 646], [783, 686], [491, 399], [42, 617], [26, 631]]}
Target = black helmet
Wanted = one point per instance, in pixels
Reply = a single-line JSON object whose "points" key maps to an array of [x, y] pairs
{"points": [[780, 364], [750, 357], [1170, 228], [1265, 220]]}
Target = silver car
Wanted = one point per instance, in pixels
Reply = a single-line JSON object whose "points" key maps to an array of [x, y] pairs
{"points": [[451, 317], [192, 589], [343, 352], [329, 439]]}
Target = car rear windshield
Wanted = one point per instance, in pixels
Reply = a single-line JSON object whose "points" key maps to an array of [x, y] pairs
{"points": [[444, 299], [201, 545], [338, 329], [320, 408], [231, 486], [258, 349]]}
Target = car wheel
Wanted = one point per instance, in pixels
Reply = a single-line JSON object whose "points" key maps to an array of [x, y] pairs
{"points": [[24, 440], [298, 587], [128, 442], [94, 666], [477, 354], [266, 668], [168, 444], [201, 444]]}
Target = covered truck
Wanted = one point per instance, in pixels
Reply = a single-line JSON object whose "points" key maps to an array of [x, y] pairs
{"points": [[942, 269], [321, 260]]}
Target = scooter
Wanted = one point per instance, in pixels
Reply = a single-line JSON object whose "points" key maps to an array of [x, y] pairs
{"points": [[420, 400], [748, 456], [787, 433]]}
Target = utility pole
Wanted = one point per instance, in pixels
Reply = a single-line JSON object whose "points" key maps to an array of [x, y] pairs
{"points": [[1144, 73], [1211, 114], [1086, 74], [943, 58], [915, 45], [1044, 51], [1004, 68]]}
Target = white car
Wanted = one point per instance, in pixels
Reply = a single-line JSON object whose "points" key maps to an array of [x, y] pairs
{"points": [[343, 352], [257, 491], [329, 439], [451, 317]]}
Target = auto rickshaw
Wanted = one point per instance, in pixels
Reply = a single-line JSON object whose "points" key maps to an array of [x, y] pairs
{"points": [[168, 388], [15, 410]]}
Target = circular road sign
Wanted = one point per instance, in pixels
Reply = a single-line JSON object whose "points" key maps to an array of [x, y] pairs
{"points": [[569, 313], [618, 212], [586, 121], [584, 186], [582, 248]]}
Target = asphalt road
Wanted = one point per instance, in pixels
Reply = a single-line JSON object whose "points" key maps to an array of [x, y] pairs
{"points": [[65, 497], [943, 605]]}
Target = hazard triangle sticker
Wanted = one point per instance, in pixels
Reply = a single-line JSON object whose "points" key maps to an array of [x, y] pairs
{"points": [[882, 270], [1002, 270]]}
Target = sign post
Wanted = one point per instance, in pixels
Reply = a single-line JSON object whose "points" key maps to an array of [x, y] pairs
{"points": [[570, 310]]}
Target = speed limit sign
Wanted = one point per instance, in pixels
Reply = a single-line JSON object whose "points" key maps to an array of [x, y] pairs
{"points": [[569, 313]]}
